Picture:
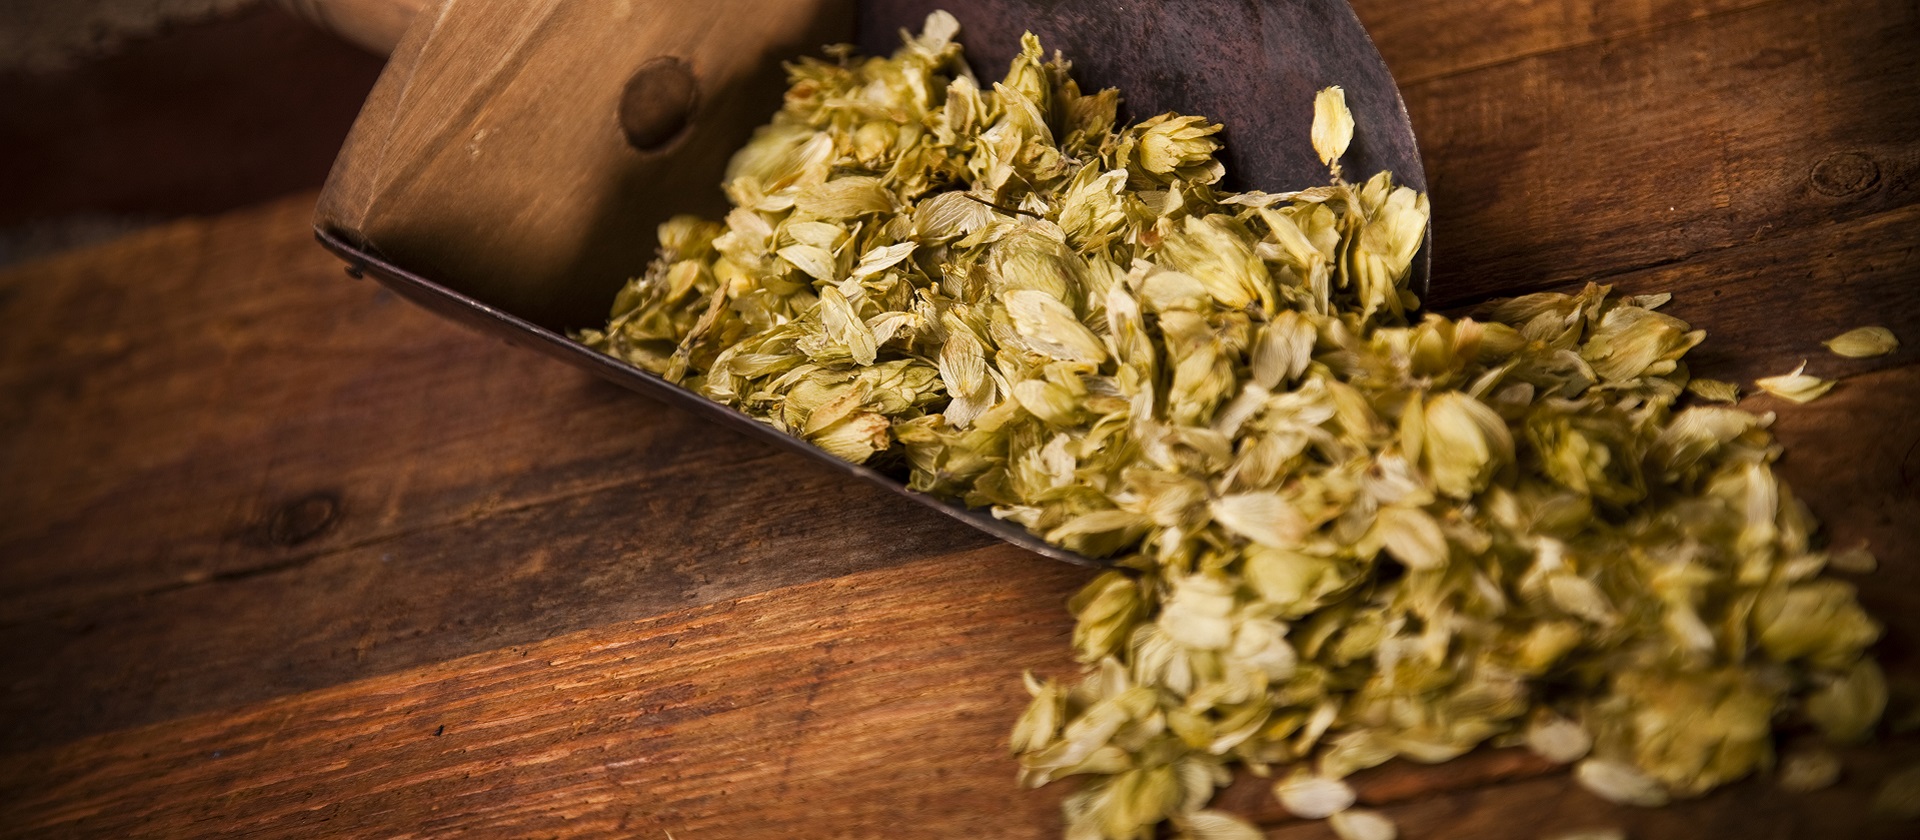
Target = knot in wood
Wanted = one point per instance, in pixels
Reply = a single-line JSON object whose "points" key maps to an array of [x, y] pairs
{"points": [[658, 103], [303, 519], [1844, 174]]}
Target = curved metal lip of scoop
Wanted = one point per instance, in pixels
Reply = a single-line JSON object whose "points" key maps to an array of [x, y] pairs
{"points": [[488, 319], [1252, 66]]}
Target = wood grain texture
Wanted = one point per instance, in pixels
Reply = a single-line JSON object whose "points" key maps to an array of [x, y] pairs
{"points": [[218, 114], [1628, 154], [1424, 39], [198, 446], [871, 705], [629, 625]]}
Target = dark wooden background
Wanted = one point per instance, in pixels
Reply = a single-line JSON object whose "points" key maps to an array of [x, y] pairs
{"points": [[282, 555]]}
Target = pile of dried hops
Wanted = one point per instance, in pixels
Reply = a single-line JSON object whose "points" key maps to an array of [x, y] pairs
{"points": [[1341, 534]]}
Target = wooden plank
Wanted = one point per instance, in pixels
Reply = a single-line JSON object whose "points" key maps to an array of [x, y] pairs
{"points": [[678, 537], [235, 473], [1618, 156], [1424, 39], [302, 412], [216, 114], [872, 705]]}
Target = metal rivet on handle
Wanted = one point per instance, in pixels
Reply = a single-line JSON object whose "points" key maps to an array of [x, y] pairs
{"points": [[658, 103]]}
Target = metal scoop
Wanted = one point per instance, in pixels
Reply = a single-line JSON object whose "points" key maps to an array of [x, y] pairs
{"points": [[512, 162]]}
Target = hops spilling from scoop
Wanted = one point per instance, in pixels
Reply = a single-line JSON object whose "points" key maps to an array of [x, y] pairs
{"points": [[1341, 533]]}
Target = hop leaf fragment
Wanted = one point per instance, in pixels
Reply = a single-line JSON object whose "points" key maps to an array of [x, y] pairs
{"points": [[1863, 342], [1265, 518], [1332, 125], [1363, 824], [1620, 782], [1808, 769], [1313, 797], [1558, 739], [1217, 825], [1714, 390], [1796, 386]]}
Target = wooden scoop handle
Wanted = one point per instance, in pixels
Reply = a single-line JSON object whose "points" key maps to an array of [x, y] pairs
{"points": [[521, 152]]}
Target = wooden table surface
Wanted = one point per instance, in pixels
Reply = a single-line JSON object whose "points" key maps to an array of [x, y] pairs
{"points": [[282, 555]]}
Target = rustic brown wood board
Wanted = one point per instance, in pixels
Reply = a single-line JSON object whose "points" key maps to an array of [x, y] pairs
{"points": [[283, 555]]}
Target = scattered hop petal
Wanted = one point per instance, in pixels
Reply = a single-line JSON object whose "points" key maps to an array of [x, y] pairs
{"points": [[1178, 144], [1104, 613], [1808, 769], [845, 198], [1262, 644], [815, 261], [1796, 386], [939, 28], [1217, 825], [951, 214], [1265, 518], [855, 438], [1557, 739], [1199, 615], [1620, 782], [1863, 343], [1313, 797], [882, 258], [1413, 538], [1857, 560], [1464, 442], [1820, 620], [1052, 329], [1848, 706], [1714, 390], [1332, 124], [1363, 824], [843, 326], [1040, 723], [1579, 596]]}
